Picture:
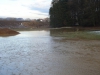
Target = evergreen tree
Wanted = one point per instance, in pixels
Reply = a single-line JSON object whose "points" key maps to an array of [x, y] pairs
{"points": [[75, 12], [58, 14]]}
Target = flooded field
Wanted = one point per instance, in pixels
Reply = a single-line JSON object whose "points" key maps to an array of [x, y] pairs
{"points": [[38, 53]]}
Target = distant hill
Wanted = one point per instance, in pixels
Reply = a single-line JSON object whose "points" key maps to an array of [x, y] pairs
{"points": [[12, 24], [24, 24], [36, 24]]}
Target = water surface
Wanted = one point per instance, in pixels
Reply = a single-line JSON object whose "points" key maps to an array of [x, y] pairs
{"points": [[37, 53]]}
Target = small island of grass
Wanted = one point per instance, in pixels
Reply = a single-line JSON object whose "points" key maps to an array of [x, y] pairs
{"points": [[7, 32]]}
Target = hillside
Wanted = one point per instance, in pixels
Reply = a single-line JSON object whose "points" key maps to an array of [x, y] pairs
{"points": [[23, 24]]}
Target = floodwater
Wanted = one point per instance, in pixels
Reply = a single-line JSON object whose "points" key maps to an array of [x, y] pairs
{"points": [[37, 53]]}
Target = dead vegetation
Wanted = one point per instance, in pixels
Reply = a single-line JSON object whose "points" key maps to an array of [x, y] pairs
{"points": [[6, 31]]}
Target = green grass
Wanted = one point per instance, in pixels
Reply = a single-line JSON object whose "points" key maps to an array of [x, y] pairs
{"points": [[69, 33], [75, 34]]}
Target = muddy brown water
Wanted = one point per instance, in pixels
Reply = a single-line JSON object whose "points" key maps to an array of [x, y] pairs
{"points": [[37, 53]]}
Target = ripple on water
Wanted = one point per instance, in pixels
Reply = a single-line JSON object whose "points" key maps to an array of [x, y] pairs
{"points": [[37, 53]]}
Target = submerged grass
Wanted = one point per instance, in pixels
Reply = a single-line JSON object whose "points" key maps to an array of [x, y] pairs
{"points": [[75, 34], [69, 33]]}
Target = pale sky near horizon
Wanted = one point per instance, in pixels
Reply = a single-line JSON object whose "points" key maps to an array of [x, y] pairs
{"points": [[32, 9]]}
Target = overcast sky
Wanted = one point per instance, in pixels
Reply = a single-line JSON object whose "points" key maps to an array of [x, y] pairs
{"points": [[25, 8]]}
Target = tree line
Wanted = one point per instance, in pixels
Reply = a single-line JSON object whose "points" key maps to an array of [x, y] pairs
{"points": [[83, 13]]}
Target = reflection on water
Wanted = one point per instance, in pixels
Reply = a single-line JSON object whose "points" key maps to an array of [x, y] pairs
{"points": [[37, 53], [22, 53], [96, 32], [34, 34]]}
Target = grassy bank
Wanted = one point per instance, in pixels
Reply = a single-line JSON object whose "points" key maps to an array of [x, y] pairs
{"points": [[69, 33], [74, 34]]}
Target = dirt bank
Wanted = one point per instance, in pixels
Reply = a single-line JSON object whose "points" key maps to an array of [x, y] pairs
{"points": [[6, 31]]}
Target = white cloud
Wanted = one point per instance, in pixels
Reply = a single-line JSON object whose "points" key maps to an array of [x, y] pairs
{"points": [[41, 3], [22, 8]]}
